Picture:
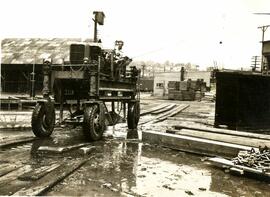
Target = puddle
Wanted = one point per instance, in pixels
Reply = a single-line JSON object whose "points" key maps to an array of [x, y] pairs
{"points": [[134, 168], [122, 165]]}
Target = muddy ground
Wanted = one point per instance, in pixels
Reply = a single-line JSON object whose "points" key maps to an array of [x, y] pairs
{"points": [[121, 165]]}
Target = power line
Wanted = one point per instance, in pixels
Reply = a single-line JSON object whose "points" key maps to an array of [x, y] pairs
{"points": [[158, 49]]}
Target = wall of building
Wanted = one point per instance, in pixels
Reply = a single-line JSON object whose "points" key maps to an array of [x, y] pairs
{"points": [[161, 81], [266, 53], [16, 78]]}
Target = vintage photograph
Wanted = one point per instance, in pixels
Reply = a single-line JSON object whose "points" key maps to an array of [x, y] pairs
{"points": [[135, 98]]}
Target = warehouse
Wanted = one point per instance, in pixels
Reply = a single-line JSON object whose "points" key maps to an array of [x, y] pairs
{"points": [[21, 63]]}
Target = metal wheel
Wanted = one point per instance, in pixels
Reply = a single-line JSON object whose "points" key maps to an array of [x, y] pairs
{"points": [[43, 119], [133, 114], [93, 126]]}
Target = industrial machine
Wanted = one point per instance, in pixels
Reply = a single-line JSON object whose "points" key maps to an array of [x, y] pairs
{"points": [[93, 81]]}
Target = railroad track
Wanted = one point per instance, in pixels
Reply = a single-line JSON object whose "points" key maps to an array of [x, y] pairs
{"points": [[161, 113], [24, 172], [30, 168]]}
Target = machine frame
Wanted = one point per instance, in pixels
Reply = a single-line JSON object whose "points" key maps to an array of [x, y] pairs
{"points": [[93, 86]]}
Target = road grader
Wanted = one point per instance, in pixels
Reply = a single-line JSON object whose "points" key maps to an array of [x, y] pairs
{"points": [[89, 86]]}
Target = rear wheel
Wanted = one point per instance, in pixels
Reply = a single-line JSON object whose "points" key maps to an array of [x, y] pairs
{"points": [[133, 114], [43, 119], [93, 126]]}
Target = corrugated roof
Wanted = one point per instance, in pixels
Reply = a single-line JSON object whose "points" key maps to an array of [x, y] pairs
{"points": [[34, 50]]}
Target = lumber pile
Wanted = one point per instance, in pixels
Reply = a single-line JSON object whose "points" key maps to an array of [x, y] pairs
{"points": [[222, 135], [207, 141], [196, 145], [222, 131], [186, 90]]}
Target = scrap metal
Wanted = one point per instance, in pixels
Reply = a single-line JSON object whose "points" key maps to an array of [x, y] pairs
{"points": [[258, 159]]}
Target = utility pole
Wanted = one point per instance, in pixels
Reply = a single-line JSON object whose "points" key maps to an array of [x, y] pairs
{"points": [[263, 28], [255, 62], [143, 69]]}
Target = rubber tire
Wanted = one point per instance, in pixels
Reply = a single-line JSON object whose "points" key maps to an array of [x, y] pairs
{"points": [[92, 131], [133, 115], [39, 127]]}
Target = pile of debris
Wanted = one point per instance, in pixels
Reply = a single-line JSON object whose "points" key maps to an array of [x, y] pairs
{"points": [[186, 90], [258, 159]]}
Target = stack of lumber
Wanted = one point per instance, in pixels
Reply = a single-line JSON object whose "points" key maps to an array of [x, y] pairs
{"points": [[223, 135], [186, 90], [206, 140]]}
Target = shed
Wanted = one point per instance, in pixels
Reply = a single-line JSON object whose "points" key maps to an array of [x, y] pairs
{"points": [[23, 57], [243, 101]]}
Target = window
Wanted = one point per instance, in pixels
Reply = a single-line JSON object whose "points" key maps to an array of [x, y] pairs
{"points": [[159, 85]]}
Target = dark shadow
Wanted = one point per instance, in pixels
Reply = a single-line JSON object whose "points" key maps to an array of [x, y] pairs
{"points": [[132, 134]]}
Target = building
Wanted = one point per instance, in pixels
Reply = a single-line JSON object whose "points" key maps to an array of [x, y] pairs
{"points": [[266, 54], [146, 84], [162, 79], [21, 61]]}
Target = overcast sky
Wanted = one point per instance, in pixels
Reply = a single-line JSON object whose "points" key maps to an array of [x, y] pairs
{"points": [[158, 30]]}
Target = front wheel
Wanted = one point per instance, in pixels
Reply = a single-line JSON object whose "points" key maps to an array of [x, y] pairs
{"points": [[93, 126], [43, 119]]}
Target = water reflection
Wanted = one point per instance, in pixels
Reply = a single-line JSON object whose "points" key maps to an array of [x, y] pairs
{"points": [[128, 166], [132, 134], [38, 143]]}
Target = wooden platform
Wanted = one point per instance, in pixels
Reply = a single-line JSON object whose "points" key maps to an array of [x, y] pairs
{"points": [[16, 103]]}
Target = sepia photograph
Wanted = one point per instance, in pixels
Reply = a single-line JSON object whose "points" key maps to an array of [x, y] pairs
{"points": [[135, 98]]}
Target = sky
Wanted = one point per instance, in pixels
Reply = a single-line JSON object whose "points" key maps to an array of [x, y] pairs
{"points": [[180, 31]]}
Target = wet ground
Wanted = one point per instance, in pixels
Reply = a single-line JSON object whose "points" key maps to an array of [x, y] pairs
{"points": [[119, 166]]}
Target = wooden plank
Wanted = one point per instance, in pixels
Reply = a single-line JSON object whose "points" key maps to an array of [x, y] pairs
{"points": [[61, 149], [170, 113], [165, 115], [112, 98], [223, 131], [13, 97], [5, 143], [163, 109], [37, 173], [7, 168], [116, 89], [247, 141], [16, 113], [48, 181], [148, 111], [87, 150], [192, 121], [203, 120], [192, 144], [13, 175]]}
